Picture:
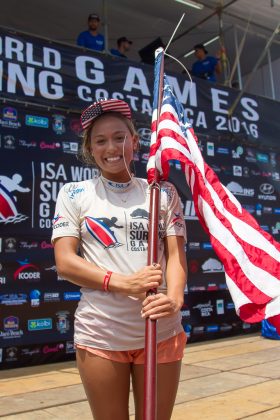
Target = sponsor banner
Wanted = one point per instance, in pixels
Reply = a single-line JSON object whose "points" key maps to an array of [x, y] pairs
{"points": [[34, 354], [34, 70], [39, 153], [212, 315]]}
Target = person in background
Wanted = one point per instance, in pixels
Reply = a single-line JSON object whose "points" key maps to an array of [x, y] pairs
{"points": [[206, 67], [106, 218], [91, 38], [123, 47]]}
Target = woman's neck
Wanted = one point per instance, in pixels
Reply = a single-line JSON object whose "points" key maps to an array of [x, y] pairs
{"points": [[118, 178]]}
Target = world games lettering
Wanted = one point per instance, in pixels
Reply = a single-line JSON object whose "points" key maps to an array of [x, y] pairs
{"points": [[67, 77]]}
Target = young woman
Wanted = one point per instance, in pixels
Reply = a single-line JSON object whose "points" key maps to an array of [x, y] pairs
{"points": [[107, 220]]}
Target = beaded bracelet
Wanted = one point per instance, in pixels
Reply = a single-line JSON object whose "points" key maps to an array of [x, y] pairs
{"points": [[106, 281]]}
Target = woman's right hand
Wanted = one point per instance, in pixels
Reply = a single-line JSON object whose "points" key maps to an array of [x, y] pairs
{"points": [[148, 277]]}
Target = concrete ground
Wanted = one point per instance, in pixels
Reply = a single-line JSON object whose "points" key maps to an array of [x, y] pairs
{"points": [[225, 379]]}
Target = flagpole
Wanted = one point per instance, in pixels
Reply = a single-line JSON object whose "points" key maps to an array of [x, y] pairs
{"points": [[150, 367]]}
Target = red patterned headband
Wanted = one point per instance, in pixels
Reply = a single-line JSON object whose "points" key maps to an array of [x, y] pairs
{"points": [[106, 105]]}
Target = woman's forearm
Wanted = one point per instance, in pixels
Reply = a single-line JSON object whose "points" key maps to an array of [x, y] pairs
{"points": [[85, 274], [176, 282], [74, 268], [176, 269]]}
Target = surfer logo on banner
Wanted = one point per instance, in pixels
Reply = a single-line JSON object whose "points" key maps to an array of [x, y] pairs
{"points": [[8, 202]]}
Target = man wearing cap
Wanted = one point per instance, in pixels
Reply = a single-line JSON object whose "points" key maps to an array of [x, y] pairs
{"points": [[123, 47], [206, 66], [91, 38]]}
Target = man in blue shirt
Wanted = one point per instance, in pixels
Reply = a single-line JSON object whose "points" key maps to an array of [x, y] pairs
{"points": [[91, 38], [206, 66], [123, 47]]}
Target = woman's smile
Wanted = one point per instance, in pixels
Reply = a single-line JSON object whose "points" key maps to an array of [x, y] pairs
{"points": [[113, 159]]}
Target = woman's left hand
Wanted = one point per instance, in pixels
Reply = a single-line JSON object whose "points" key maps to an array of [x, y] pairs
{"points": [[159, 306]]}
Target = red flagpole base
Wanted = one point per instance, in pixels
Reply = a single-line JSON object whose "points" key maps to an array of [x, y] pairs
{"points": [[150, 373]]}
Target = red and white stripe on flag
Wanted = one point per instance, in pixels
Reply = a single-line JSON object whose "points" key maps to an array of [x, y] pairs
{"points": [[249, 254]]}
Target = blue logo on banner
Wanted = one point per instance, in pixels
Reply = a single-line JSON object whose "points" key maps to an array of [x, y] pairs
{"points": [[262, 157], [39, 324], [212, 328], [36, 121], [71, 295], [35, 294], [10, 114], [11, 323], [187, 329], [223, 150], [13, 298], [265, 227], [206, 245], [249, 207]]}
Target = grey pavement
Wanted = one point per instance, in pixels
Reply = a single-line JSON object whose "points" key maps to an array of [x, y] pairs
{"points": [[224, 379]]}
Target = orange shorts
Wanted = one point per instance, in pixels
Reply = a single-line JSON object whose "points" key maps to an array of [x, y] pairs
{"points": [[168, 351]]}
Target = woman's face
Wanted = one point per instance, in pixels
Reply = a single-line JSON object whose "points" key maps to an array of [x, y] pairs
{"points": [[112, 146]]}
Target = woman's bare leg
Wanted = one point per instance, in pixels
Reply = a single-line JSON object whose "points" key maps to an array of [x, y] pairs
{"points": [[168, 375], [106, 384]]}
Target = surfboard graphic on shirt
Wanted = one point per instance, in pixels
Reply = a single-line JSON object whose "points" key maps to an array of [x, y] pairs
{"points": [[177, 217], [101, 232], [56, 218]]}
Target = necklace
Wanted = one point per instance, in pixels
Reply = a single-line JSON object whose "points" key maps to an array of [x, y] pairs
{"points": [[124, 197]]}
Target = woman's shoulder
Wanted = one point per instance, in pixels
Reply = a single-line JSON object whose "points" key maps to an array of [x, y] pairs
{"points": [[168, 193], [141, 180]]}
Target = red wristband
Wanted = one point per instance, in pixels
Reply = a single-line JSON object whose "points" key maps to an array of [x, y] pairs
{"points": [[106, 281]]}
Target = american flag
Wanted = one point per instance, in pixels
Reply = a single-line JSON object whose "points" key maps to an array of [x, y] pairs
{"points": [[249, 254]]}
